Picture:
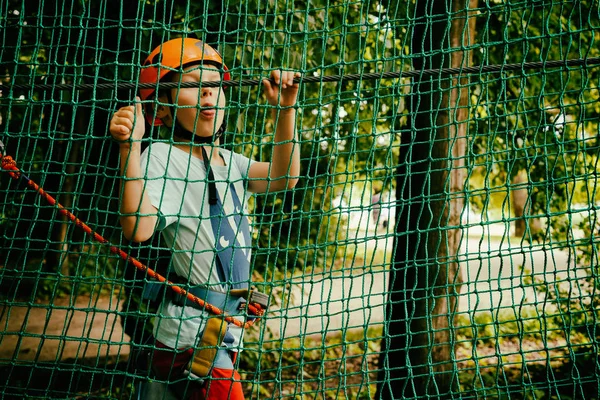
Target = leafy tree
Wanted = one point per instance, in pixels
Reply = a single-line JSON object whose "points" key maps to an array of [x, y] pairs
{"points": [[342, 125], [543, 126], [59, 137]]}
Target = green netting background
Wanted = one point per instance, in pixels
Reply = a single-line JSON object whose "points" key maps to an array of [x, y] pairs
{"points": [[442, 240]]}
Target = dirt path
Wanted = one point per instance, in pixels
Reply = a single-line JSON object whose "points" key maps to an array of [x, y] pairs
{"points": [[314, 305], [74, 329]]}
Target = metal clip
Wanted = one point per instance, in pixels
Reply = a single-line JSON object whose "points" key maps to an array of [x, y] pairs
{"points": [[260, 298]]}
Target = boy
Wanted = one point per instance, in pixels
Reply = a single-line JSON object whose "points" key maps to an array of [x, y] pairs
{"points": [[195, 193]]}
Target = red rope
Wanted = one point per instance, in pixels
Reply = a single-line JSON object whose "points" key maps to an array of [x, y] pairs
{"points": [[10, 165]]}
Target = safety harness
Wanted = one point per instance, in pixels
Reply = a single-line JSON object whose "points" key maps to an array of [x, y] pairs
{"points": [[255, 305], [221, 305]]}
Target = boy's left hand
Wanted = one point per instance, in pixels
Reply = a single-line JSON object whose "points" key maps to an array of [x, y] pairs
{"points": [[284, 91]]}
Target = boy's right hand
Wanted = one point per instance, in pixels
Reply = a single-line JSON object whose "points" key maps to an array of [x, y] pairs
{"points": [[128, 123]]}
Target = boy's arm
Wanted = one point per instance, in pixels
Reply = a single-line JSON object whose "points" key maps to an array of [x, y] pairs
{"points": [[284, 169], [138, 215]]}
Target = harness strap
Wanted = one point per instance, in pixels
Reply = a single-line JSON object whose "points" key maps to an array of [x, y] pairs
{"points": [[232, 241], [228, 302], [212, 187]]}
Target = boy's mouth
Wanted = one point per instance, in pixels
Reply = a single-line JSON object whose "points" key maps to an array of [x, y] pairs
{"points": [[208, 113]]}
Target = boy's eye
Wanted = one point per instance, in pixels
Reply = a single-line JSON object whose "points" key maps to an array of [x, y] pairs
{"points": [[211, 77], [202, 77]]}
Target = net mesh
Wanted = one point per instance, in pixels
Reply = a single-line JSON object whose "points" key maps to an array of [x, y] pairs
{"points": [[441, 240]]}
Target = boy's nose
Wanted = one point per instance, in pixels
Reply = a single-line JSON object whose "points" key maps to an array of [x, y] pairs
{"points": [[207, 92]]}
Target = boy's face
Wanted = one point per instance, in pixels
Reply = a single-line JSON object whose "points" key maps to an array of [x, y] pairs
{"points": [[200, 110]]}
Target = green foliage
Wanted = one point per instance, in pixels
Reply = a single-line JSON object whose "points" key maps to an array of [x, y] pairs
{"points": [[545, 124], [486, 327], [344, 136], [497, 352], [343, 129], [341, 364]]}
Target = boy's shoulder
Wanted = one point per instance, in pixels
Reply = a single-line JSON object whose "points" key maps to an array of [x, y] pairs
{"points": [[235, 157], [233, 153], [157, 149]]}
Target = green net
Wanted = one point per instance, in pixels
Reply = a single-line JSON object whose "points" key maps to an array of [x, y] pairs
{"points": [[441, 241]]}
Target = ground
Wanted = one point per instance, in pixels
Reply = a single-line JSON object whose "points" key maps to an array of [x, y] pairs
{"points": [[86, 336], [316, 309], [69, 330]]}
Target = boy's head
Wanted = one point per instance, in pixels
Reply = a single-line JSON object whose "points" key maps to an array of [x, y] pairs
{"points": [[186, 60]]}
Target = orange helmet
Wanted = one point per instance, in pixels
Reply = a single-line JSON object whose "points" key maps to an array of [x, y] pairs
{"points": [[174, 54]]}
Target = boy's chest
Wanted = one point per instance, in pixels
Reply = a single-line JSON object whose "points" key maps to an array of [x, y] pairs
{"points": [[193, 190]]}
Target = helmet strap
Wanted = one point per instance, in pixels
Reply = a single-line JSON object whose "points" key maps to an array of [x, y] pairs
{"points": [[182, 133]]}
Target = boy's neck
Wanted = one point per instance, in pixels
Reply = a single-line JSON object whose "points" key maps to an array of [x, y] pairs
{"points": [[183, 137], [196, 151]]}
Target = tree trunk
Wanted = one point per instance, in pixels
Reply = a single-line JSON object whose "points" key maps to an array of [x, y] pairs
{"points": [[63, 242], [66, 199], [521, 202], [418, 344]]}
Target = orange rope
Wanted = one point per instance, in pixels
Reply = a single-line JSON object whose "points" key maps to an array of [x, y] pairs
{"points": [[10, 165]]}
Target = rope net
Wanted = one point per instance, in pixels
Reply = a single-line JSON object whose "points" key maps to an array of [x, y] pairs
{"points": [[441, 241]]}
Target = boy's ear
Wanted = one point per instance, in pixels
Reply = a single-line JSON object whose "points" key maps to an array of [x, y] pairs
{"points": [[161, 110]]}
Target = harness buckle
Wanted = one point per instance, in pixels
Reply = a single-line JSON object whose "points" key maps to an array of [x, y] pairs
{"points": [[260, 298]]}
